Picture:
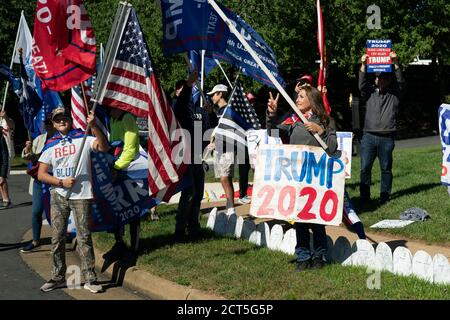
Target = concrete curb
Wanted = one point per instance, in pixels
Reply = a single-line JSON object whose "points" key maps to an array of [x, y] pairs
{"points": [[155, 287]]}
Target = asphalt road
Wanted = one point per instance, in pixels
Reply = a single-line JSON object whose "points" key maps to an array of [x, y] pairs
{"points": [[17, 280]]}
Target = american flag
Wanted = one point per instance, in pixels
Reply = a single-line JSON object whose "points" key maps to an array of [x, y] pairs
{"points": [[132, 86], [237, 118], [79, 113]]}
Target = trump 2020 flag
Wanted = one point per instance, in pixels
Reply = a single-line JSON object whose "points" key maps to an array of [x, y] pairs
{"points": [[237, 118], [192, 25], [63, 44], [237, 55]]}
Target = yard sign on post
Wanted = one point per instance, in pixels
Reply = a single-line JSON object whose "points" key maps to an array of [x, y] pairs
{"points": [[298, 183]]}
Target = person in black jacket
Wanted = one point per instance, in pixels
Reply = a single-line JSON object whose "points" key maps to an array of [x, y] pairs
{"points": [[382, 102], [4, 161], [191, 118]]}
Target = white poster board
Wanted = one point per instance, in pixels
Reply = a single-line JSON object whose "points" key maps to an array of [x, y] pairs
{"points": [[256, 138], [345, 143], [298, 183]]}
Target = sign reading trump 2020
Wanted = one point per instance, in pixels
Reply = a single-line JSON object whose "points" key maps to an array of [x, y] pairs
{"points": [[378, 55], [298, 183]]}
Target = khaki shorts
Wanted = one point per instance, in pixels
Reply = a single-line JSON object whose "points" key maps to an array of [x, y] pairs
{"points": [[224, 165]]}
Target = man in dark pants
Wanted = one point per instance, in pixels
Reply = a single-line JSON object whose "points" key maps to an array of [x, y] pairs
{"points": [[191, 118], [382, 101]]}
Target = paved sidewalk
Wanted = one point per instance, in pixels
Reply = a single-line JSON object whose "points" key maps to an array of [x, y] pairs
{"points": [[121, 280], [40, 262]]}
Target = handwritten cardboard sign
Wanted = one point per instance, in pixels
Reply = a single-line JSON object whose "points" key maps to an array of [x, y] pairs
{"points": [[298, 183]]}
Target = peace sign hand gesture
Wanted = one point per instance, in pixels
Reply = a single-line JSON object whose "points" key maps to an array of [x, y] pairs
{"points": [[272, 104]]}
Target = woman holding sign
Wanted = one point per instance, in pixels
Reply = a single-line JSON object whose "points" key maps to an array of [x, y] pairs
{"points": [[294, 131]]}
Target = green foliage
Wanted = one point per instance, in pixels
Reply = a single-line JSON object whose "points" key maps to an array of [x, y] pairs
{"points": [[417, 27]]}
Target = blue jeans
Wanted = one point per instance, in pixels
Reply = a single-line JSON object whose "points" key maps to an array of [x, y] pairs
{"points": [[302, 249], [37, 210], [190, 200], [372, 146]]}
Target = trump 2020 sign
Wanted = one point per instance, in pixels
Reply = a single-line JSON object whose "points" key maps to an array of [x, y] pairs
{"points": [[298, 183]]}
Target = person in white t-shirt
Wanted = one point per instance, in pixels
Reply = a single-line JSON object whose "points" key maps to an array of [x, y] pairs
{"points": [[59, 157]]}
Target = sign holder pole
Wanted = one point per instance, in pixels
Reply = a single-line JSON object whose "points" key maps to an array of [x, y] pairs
{"points": [[111, 50], [264, 68]]}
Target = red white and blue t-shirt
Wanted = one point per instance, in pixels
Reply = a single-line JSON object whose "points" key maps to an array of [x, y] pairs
{"points": [[60, 154]]}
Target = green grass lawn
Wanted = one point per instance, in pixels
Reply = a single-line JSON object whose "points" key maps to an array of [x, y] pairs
{"points": [[18, 163], [416, 184], [237, 269]]}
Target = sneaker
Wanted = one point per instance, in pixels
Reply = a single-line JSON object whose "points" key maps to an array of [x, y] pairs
{"points": [[245, 200], [5, 204], [303, 265], [93, 287], [317, 263], [53, 284], [29, 247]]}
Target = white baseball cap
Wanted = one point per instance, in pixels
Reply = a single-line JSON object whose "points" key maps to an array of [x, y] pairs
{"points": [[218, 88]]}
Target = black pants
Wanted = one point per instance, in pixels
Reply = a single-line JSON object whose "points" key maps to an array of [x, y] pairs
{"points": [[244, 169], [188, 213], [134, 233]]}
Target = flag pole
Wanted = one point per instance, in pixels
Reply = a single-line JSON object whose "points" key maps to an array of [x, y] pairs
{"points": [[263, 67], [191, 69], [84, 100], [202, 78], [223, 71], [111, 50], [12, 61]]}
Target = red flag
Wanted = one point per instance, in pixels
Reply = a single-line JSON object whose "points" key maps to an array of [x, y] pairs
{"points": [[63, 49], [322, 69]]}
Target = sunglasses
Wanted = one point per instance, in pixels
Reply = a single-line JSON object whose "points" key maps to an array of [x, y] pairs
{"points": [[59, 119]]}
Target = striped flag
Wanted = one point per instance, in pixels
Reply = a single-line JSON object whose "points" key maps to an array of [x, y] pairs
{"points": [[79, 113], [238, 117], [132, 86]]}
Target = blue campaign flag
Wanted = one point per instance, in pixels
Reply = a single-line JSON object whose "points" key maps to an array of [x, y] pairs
{"points": [[210, 64], [15, 82], [192, 25], [29, 101], [50, 100], [237, 55]]}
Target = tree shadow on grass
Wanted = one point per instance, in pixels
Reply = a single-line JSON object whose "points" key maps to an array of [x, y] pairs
{"points": [[374, 204]]}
